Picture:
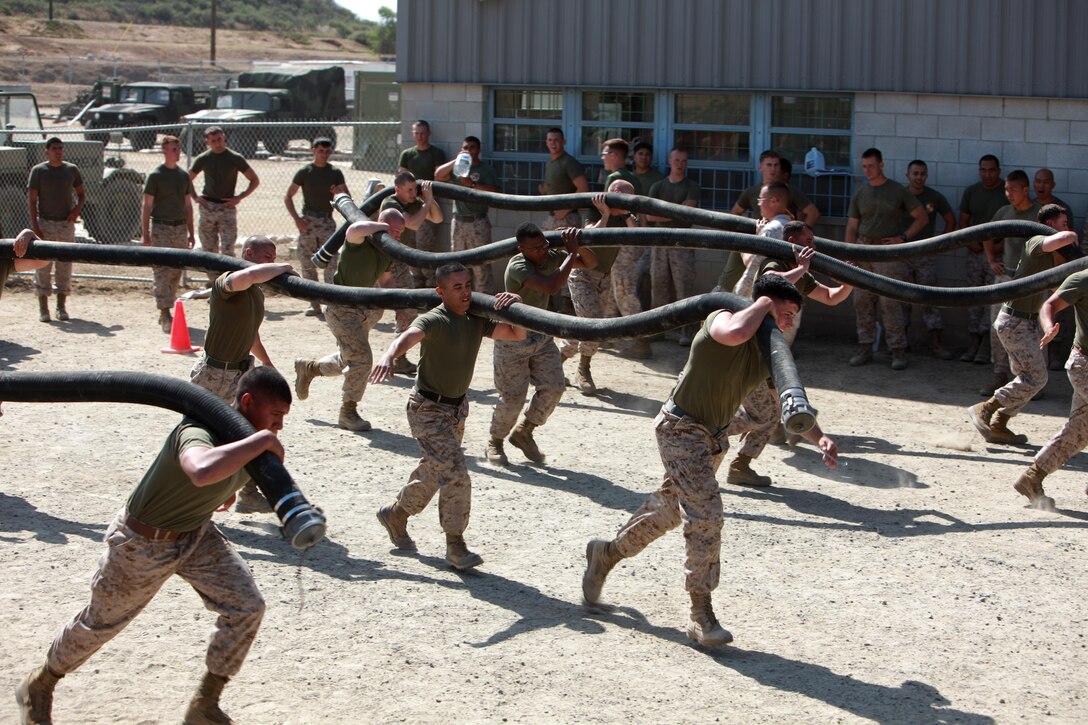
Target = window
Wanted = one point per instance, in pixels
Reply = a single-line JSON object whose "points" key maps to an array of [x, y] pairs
{"points": [[800, 123], [608, 115], [522, 118]]}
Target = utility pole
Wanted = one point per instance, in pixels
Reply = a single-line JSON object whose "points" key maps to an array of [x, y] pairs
{"points": [[213, 30], [50, 10]]}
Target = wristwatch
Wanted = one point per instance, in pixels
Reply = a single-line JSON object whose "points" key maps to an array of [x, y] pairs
{"points": [[903, 236]]}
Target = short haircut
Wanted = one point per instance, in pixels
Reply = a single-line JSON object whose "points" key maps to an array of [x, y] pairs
{"points": [[678, 148], [472, 139], [792, 228], [918, 162], [769, 154], [390, 213], [263, 382], [640, 144], [872, 153], [785, 165], [778, 190], [1044, 171], [257, 240], [404, 177], [990, 157], [621, 186], [169, 139], [212, 130], [422, 123], [53, 141], [447, 270], [527, 231], [616, 144], [777, 287], [1050, 212], [1018, 176], [555, 129]]}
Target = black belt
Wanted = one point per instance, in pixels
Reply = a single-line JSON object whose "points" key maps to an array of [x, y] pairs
{"points": [[1017, 313], [319, 214], [169, 224], [212, 199], [150, 532], [212, 362], [440, 398], [672, 408], [469, 217]]}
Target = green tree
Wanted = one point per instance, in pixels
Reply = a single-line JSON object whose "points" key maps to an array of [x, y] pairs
{"points": [[383, 38]]}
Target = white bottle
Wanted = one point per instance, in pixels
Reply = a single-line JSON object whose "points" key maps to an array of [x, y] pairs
{"points": [[814, 161], [462, 165]]}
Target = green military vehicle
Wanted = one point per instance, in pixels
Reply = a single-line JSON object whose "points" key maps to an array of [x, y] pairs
{"points": [[309, 98], [141, 104], [114, 193]]}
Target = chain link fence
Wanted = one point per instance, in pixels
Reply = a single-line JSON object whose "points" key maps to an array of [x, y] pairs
{"points": [[115, 161]]}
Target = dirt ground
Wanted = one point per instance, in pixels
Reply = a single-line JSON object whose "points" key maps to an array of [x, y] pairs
{"points": [[910, 586]]}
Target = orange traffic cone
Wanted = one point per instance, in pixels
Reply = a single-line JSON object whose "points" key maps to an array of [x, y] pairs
{"points": [[179, 333]]}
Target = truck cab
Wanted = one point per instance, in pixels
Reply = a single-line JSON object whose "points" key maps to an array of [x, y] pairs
{"points": [[141, 104]]}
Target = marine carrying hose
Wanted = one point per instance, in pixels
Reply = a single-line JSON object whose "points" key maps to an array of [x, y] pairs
{"points": [[302, 524]]}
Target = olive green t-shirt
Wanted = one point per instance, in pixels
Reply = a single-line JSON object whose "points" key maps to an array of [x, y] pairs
{"points": [[881, 209], [519, 269], [1074, 290], [624, 174], [361, 264], [606, 256], [1013, 246], [55, 186], [935, 205], [980, 203], [448, 352], [422, 163], [1032, 261], [169, 187], [796, 203], [220, 172], [166, 498], [481, 174], [717, 378], [560, 173], [408, 236], [233, 321], [687, 189], [732, 272], [805, 285], [645, 181], [316, 183]]}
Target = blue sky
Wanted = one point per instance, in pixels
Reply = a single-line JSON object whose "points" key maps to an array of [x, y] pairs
{"points": [[366, 9]]}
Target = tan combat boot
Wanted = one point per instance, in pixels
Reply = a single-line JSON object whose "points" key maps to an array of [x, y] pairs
{"points": [[43, 308], [495, 453], [601, 556], [62, 310], [936, 345], [204, 707], [862, 356], [34, 696], [584, 378], [639, 349], [1000, 433], [404, 366], [522, 437], [981, 414], [349, 418], [1030, 484], [251, 501], [395, 521], [972, 349], [899, 359], [703, 627], [457, 554], [305, 372], [741, 473], [166, 321]]}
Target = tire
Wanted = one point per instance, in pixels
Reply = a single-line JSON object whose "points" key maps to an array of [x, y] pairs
{"points": [[102, 137], [141, 140], [244, 141], [113, 217], [274, 143]]}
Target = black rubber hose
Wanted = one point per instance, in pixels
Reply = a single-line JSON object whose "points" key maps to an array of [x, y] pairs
{"points": [[302, 524], [332, 245]]}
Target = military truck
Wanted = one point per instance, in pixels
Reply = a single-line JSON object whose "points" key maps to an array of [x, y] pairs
{"points": [[142, 104], [310, 97], [114, 193]]}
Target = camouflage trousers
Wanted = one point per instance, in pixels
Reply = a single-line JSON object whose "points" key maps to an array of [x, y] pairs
{"points": [[571, 219], [867, 304], [518, 363], [165, 280], [427, 239], [353, 358], [591, 294], [755, 420], [689, 494], [218, 230], [978, 273], [130, 573], [401, 278], [625, 274], [1020, 339], [467, 235], [223, 383], [998, 354], [1073, 436], [55, 231], [922, 270], [439, 429], [318, 230], [675, 266]]}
